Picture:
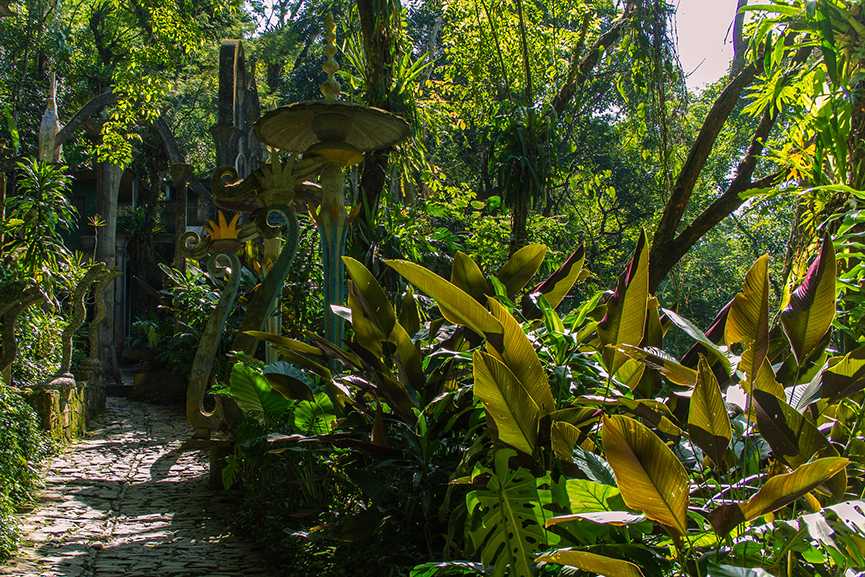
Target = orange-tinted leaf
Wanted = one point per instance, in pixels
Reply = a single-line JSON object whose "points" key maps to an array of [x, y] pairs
{"points": [[626, 309], [592, 563], [649, 475]]}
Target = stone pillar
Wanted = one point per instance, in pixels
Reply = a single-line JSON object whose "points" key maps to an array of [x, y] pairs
{"points": [[108, 177]]}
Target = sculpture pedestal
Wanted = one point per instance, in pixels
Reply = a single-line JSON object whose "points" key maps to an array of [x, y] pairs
{"points": [[60, 404], [94, 387]]}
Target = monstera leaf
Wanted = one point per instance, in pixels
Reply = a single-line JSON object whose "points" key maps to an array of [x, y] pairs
{"points": [[506, 518], [708, 422], [793, 438], [812, 306], [649, 475], [626, 309], [506, 402], [778, 491], [748, 319], [592, 563], [455, 304]]}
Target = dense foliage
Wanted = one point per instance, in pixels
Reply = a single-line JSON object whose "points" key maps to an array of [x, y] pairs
{"points": [[480, 420], [22, 447]]}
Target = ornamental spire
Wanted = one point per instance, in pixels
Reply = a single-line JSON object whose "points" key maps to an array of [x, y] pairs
{"points": [[330, 88]]}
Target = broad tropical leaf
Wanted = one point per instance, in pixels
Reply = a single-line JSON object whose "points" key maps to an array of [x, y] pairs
{"points": [[456, 306], [520, 357], [708, 422], [408, 358], [626, 309], [845, 376], [365, 332], [506, 401], [557, 285], [691, 330], [590, 497], [748, 319], [660, 361], [793, 438], [371, 296], [285, 342], [506, 518], [467, 275], [592, 563], [563, 438], [521, 267], [409, 317], [812, 306], [601, 517], [288, 381], [648, 474], [255, 397], [778, 491]]}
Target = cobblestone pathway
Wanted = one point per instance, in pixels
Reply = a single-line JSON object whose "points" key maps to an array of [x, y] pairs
{"points": [[126, 501]]}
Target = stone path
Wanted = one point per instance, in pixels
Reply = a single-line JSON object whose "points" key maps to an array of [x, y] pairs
{"points": [[126, 501]]}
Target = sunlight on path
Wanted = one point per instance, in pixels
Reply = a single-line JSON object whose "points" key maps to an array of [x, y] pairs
{"points": [[126, 501]]}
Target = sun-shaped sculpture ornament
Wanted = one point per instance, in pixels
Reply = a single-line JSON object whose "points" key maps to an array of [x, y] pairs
{"points": [[224, 236]]}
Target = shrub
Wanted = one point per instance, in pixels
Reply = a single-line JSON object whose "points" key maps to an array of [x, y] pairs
{"points": [[40, 347], [22, 446]]}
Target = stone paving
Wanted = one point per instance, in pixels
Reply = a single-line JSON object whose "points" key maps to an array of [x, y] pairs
{"points": [[127, 501]]}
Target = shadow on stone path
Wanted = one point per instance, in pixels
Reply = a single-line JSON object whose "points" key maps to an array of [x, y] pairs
{"points": [[126, 501]]}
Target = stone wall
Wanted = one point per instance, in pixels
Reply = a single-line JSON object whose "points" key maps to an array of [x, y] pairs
{"points": [[65, 405]]}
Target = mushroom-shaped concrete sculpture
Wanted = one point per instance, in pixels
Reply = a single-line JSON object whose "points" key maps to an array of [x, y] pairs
{"points": [[339, 132]]}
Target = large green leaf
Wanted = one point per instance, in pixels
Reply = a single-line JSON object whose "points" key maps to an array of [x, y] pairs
{"points": [[365, 332], [691, 330], [778, 491], [520, 357], [506, 401], [521, 267], [845, 376], [408, 358], [370, 296], [467, 275], [748, 319], [587, 496], [793, 438], [708, 422], [288, 381], [455, 304], [255, 397], [592, 563], [812, 306], [626, 309], [648, 474], [557, 285], [507, 517], [285, 342], [563, 437]]}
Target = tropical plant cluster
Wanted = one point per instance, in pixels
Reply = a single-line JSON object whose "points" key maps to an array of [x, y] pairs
{"points": [[507, 401]]}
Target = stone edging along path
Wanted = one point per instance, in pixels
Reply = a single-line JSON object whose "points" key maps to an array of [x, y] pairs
{"points": [[128, 501]]}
